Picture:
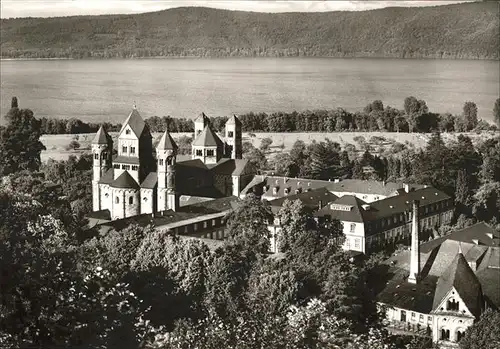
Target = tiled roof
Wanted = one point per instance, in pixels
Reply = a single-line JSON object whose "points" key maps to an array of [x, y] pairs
{"points": [[255, 183], [460, 276], [166, 142], [107, 177], [402, 203], [150, 181], [441, 257], [212, 206], [292, 184], [126, 159], [193, 163], [402, 294], [233, 120], [490, 283], [101, 137], [135, 122], [234, 167], [207, 138], [186, 200], [369, 187], [355, 214], [125, 181], [309, 199]]}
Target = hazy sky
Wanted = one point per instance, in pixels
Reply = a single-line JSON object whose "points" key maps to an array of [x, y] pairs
{"points": [[52, 8]]}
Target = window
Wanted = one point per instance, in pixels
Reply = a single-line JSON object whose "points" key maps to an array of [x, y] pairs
{"points": [[127, 131], [429, 318], [117, 200], [131, 200], [421, 318], [452, 304], [135, 167], [124, 149], [412, 315], [230, 134], [160, 162], [132, 150], [460, 334], [116, 166], [205, 224], [403, 315], [445, 334], [126, 167], [210, 152], [357, 243], [96, 156], [199, 152], [353, 227]]}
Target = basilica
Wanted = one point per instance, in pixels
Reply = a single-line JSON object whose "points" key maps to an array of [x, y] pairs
{"points": [[145, 179]]}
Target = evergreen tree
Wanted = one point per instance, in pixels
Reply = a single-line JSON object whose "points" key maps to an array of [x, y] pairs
{"points": [[14, 103], [357, 170], [325, 161]]}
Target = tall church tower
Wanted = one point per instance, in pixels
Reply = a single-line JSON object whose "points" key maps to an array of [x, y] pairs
{"points": [[200, 123], [234, 138], [166, 151], [102, 148]]}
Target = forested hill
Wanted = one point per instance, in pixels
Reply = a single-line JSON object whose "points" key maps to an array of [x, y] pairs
{"points": [[469, 30]]}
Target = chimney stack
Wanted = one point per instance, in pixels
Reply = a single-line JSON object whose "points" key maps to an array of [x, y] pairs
{"points": [[406, 187], [415, 247]]}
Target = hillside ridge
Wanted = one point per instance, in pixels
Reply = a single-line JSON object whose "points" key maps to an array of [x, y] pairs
{"points": [[461, 31]]}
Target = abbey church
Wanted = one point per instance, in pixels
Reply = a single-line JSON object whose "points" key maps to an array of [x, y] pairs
{"points": [[142, 179]]}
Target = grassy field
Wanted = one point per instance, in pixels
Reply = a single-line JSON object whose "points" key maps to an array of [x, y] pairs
{"points": [[379, 141]]}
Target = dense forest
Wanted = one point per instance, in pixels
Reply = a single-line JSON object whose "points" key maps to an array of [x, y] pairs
{"points": [[469, 31]]}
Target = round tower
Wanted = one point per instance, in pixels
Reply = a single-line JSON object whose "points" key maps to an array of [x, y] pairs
{"points": [[102, 147], [166, 152]]}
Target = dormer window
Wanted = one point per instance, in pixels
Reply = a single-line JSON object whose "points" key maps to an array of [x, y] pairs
{"points": [[275, 190], [287, 190]]}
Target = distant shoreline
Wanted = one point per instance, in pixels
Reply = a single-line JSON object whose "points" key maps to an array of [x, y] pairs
{"points": [[247, 57]]}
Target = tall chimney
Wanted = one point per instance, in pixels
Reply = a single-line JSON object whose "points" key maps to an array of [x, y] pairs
{"points": [[415, 248]]}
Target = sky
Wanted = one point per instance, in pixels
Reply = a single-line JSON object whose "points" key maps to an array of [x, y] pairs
{"points": [[55, 8]]}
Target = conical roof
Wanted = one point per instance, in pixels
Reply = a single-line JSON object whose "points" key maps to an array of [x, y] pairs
{"points": [[101, 137], [166, 142], [135, 122], [233, 120], [125, 181], [207, 138], [460, 276]]}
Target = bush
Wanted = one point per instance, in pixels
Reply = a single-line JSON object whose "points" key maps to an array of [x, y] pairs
{"points": [[73, 145]]}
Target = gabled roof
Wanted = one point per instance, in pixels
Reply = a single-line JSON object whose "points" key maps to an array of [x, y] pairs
{"points": [[135, 122], [207, 138], [150, 181], [166, 142], [233, 120], [461, 277], [101, 137], [356, 213], [125, 181]]}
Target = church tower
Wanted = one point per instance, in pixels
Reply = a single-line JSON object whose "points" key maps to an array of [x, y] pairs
{"points": [[166, 151], [233, 138], [102, 148], [200, 123]]}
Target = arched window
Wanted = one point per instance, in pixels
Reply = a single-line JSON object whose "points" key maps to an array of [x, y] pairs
{"points": [[452, 304], [445, 334], [117, 200], [131, 200], [460, 335]]}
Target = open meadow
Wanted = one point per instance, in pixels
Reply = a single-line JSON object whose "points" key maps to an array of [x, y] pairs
{"points": [[57, 145]]}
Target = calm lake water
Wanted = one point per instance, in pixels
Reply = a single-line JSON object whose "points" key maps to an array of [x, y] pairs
{"points": [[105, 90]]}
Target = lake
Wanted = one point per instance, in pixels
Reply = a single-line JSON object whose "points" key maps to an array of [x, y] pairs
{"points": [[105, 90]]}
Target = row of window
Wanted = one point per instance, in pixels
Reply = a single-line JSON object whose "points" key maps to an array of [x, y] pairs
{"points": [[125, 150], [126, 167], [130, 200], [414, 317], [445, 335], [209, 152], [170, 161]]}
